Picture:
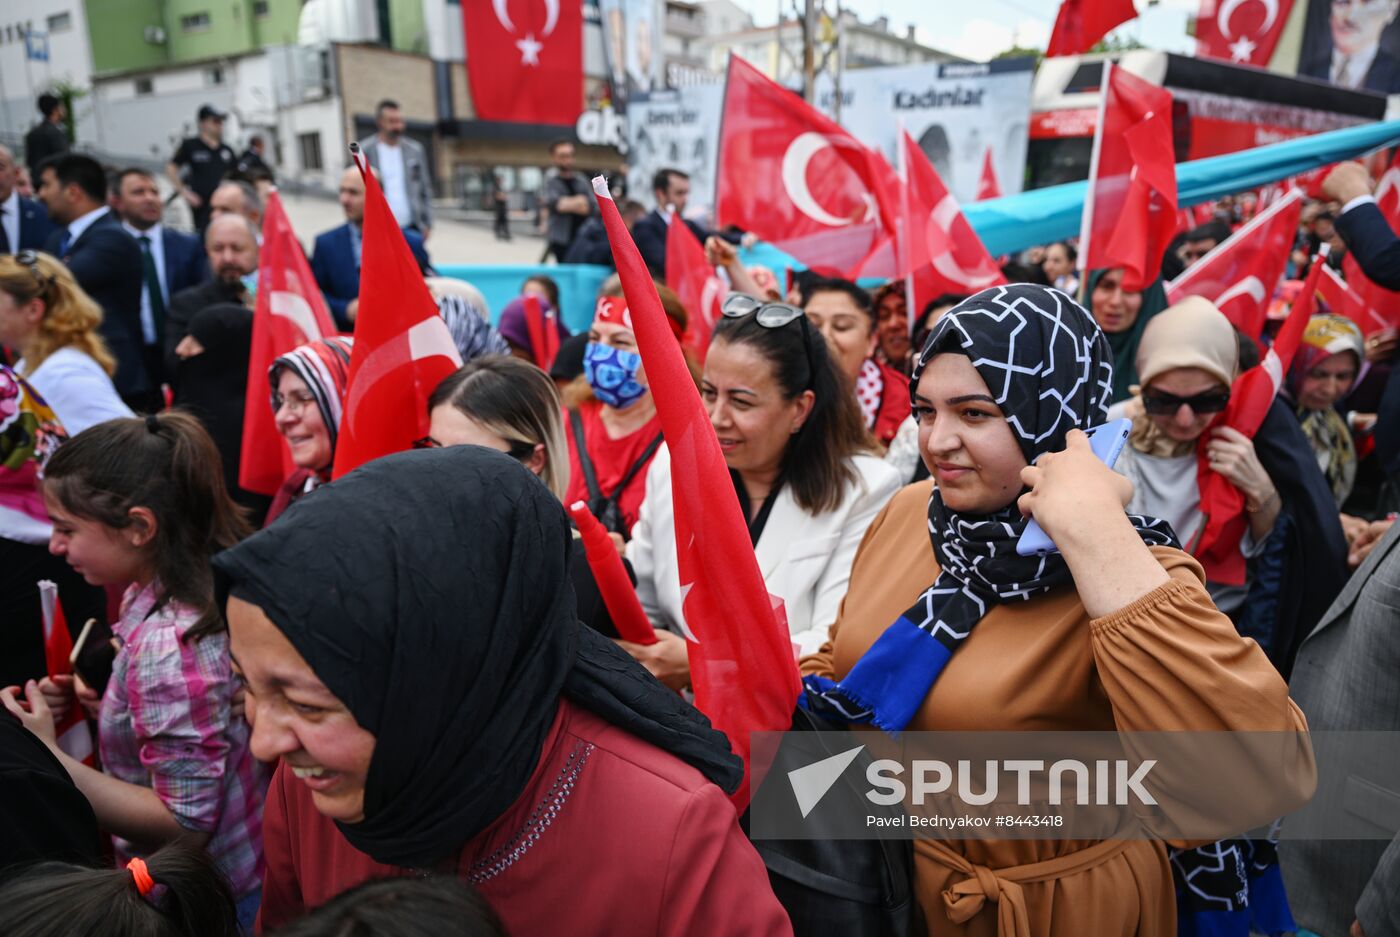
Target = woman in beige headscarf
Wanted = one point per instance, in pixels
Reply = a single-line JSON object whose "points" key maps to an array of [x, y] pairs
{"points": [[1186, 361]]}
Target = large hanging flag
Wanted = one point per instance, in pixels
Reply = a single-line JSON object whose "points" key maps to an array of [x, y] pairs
{"points": [[741, 658], [987, 185], [1382, 306], [289, 311], [940, 252], [74, 736], [1130, 213], [794, 177], [1244, 31], [403, 349], [525, 59], [700, 289], [1082, 23], [1241, 273], [1217, 545]]}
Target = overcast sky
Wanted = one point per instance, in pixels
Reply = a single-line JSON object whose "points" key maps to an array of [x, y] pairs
{"points": [[980, 29]]}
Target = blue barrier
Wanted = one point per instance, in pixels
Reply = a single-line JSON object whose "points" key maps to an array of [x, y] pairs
{"points": [[500, 283]]}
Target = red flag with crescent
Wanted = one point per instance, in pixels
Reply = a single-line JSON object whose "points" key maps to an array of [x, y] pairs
{"points": [[289, 311], [1243, 31], [525, 59], [403, 349]]}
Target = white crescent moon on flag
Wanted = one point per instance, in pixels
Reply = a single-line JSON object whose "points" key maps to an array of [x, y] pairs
{"points": [[551, 15], [1389, 181], [799, 153], [427, 339], [293, 307], [1227, 9], [1249, 286], [503, 15], [943, 216]]}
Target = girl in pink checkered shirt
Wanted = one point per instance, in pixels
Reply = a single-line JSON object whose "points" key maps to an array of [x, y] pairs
{"points": [[143, 501]]}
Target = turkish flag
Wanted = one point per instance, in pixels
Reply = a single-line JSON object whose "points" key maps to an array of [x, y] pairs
{"points": [[987, 186], [741, 659], [700, 289], [794, 177], [1241, 273], [289, 311], [1130, 212], [1082, 23], [1222, 504], [940, 252], [614, 585], [525, 59], [1244, 31], [1382, 306], [543, 329], [1340, 298], [74, 736], [403, 349]]}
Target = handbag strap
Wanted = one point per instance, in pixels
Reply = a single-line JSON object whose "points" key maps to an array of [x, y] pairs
{"points": [[590, 477]]}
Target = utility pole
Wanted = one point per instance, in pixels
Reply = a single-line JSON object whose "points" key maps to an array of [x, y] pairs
{"points": [[809, 58]]}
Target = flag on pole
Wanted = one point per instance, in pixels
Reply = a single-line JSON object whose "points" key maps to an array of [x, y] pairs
{"points": [[700, 289], [614, 585], [1340, 298], [74, 736], [1082, 23], [402, 350], [1217, 545], [1240, 274], [987, 186], [289, 311], [543, 329], [1129, 213], [794, 177], [741, 660]]}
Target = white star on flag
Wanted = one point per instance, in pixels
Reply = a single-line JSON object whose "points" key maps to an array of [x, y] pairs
{"points": [[1241, 49], [529, 49]]}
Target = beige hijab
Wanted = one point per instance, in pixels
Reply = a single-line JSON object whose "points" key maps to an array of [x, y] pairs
{"points": [[1190, 334]]}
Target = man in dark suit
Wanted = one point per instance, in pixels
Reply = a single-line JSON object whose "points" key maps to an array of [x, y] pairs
{"points": [[23, 222], [671, 188], [1362, 226], [105, 261], [170, 260], [335, 258], [46, 138]]}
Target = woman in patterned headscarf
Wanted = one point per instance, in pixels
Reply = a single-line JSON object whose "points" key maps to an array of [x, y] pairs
{"points": [[1324, 370], [946, 627], [308, 394]]}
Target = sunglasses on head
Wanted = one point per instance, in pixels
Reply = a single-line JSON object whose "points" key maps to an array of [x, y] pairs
{"points": [[1161, 403], [771, 316], [30, 259]]}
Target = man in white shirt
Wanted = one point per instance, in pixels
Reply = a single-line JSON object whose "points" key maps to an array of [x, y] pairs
{"points": [[403, 169], [171, 260]]}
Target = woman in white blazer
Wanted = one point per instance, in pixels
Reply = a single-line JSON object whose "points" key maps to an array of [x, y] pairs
{"points": [[800, 460]]}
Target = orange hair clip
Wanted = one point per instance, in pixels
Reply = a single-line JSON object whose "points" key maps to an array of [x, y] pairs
{"points": [[142, 875]]}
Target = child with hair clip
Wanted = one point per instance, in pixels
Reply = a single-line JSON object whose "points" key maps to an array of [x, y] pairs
{"points": [[177, 892], [143, 501]]}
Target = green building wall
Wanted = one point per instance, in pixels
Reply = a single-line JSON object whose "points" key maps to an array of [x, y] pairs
{"points": [[117, 30]]}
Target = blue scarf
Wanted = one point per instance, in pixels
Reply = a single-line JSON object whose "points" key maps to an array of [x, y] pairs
{"points": [[1050, 370]]}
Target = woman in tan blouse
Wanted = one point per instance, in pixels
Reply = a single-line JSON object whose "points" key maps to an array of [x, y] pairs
{"points": [[1117, 632]]}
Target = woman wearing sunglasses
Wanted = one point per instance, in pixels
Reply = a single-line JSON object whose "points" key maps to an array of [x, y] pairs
{"points": [[798, 459]]}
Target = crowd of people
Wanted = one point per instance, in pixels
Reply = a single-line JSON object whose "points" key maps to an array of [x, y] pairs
{"points": [[398, 703]]}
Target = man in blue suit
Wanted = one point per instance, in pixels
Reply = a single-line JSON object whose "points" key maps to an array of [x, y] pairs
{"points": [[170, 261], [335, 258], [23, 222], [105, 261], [671, 189]]}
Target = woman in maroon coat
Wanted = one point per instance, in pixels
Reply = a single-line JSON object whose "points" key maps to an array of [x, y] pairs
{"points": [[408, 641]]}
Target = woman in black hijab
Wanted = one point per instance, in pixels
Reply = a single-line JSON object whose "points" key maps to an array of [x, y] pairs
{"points": [[437, 706]]}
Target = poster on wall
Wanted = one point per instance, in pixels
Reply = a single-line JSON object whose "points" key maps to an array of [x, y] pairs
{"points": [[676, 130], [632, 47], [958, 113], [1353, 44]]}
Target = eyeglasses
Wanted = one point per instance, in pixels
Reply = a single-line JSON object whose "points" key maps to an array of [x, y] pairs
{"points": [[296, 402], [772, 316], [1161, 403], [30, 259]]}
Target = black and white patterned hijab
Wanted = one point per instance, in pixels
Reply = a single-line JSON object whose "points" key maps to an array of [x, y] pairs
{"points": [[1050, 370]]}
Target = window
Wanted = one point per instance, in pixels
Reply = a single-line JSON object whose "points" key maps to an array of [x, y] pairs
{"points": [[143, 86], [60, 22], [310, 146], [214, 75], [260, 10], [195, 22]]}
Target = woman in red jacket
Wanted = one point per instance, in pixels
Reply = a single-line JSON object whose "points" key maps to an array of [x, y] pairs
{"points": [[436, 707]]}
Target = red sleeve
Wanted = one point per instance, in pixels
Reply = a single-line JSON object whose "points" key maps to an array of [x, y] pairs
{"points": [[715, 882], [281, 896]]}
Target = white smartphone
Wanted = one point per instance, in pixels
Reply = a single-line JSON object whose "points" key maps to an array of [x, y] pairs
{"points": [[1107, 442]]}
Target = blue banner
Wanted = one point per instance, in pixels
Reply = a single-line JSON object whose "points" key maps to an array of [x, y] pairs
{"points": [[1015, 222]]}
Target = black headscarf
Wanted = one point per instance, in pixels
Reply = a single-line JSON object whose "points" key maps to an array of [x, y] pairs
{"points": [[429, 592]]}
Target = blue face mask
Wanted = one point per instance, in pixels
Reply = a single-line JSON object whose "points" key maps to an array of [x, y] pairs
{"points": [[613, 375]]}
